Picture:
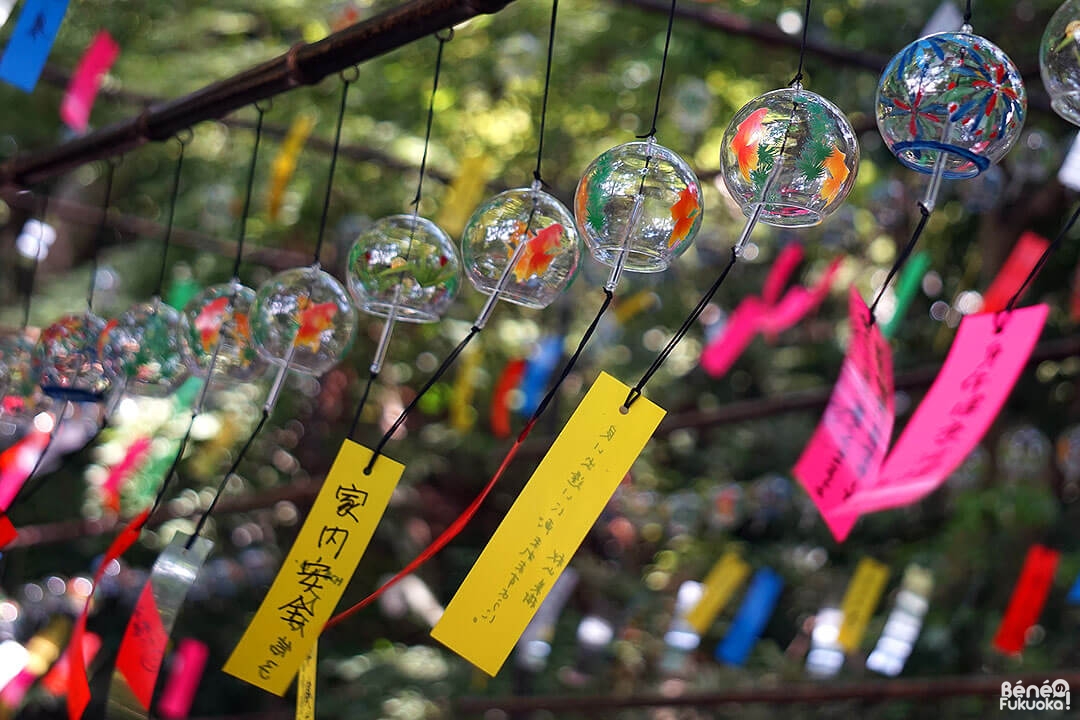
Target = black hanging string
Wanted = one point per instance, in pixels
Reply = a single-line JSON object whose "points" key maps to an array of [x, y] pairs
{"points": [[346, 80], [1050, 249], [967, 13], [662, 356], [802, 47], [446, 363], [443, 37], [901, 259], [225, 480], [260, 111], [28, 299], [663, 69], [110, 168], [547, 88], [167, 238], [568, 367], [635, 392]]}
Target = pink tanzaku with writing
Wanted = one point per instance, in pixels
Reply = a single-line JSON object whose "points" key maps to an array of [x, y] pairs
{"points": [[85, 82], [849, 444], [983, 365], [837, 466]]}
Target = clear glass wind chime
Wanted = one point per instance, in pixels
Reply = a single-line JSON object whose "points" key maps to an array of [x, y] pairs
{"points": [[405, 267], [950, 105]]}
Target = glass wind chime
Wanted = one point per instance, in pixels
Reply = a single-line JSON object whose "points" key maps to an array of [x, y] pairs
{"points": [[69, 360], [145, 344], [950, 105], [405, 267], [1059, 61], [639, 205], [789, 157]]}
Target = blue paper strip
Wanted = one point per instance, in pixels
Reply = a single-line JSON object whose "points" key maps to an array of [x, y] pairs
{"points": [[31, 42], [537, 372], [1073, 598], [754, 613]]}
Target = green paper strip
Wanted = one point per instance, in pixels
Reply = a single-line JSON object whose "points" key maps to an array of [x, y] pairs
{"points": [[906, 288]]}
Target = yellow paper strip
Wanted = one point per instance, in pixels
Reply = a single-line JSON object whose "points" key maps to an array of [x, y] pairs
{"points": [[284, 165], [725, 578], [305, 685], [546, 524], [860, 601], [316, 571]]}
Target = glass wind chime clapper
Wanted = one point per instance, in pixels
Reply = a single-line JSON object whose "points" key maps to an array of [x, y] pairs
{"points": [[511, 266]]}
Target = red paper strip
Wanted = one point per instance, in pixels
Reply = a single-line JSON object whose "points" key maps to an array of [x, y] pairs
{"points": [[143, 647], [7, 531], [187, 671], [78, 695], [16, 463], [850, 443], [86, 80], [1027, 599], [56, 681], [507, 383], [1074, 300], [1024, 256]]}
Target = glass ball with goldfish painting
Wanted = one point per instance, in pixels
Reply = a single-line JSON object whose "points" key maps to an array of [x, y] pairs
{"points": [[641, 198], [146, 345], [951, 93], [69, 359], [790, 156], [408, 261], [303, 316], [1059, 61], [531, 233], [220, 315]]}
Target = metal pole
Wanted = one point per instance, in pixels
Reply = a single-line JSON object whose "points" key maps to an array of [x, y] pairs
{"points": [[304, 64]]}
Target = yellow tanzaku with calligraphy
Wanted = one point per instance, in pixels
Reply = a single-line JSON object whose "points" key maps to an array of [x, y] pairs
{"points": [[722, 582], [305, 685], [546, 524], [860, 601], [316, 571]]}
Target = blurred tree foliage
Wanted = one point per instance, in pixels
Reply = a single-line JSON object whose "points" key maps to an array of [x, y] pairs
{"points": [[604, 79]]}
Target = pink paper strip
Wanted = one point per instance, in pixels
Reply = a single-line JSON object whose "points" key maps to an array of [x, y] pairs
{"points": [[978, 375], [850, 443], [780, 272], [798, 302], [85, 82], [187, 671], [722, 352]]}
